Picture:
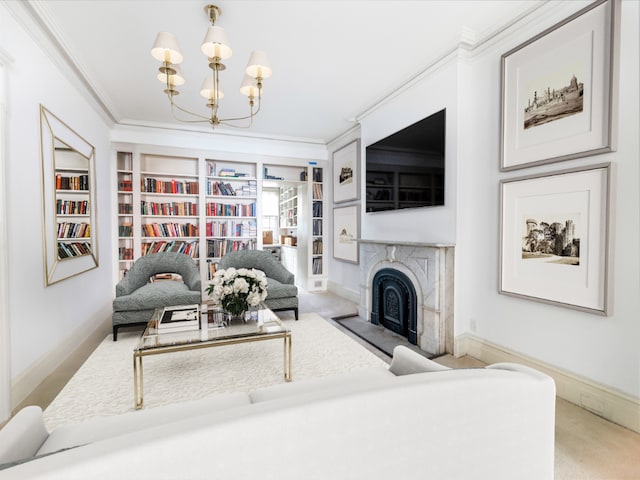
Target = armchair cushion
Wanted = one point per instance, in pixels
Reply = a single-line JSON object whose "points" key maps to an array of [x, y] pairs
{"points": [[154, 295]]}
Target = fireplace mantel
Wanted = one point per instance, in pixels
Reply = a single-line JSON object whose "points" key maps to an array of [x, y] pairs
{"points": [[407, 244], [430, 268]]}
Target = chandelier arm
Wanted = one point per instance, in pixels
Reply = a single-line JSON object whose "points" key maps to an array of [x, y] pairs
{"points": [[184, 110], [251, 115]]}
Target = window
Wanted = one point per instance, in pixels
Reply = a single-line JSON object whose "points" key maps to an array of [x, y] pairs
{"points": [[270, 211]]}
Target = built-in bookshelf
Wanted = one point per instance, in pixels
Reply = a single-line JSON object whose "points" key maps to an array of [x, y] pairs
{"points": [[230, 209], [317, 211], [206, 207], [124, 175]]}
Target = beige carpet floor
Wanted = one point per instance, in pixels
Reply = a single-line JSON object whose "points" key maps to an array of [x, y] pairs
{"points": [[104, 384]]}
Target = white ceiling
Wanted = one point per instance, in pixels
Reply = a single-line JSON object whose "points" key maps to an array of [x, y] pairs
{"points": [[332, 60]]}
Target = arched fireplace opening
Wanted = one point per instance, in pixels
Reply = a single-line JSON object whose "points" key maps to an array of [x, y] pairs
{"points": [[394, 304]]}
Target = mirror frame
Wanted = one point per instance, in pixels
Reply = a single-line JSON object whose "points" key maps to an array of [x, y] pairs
{"points": [[54, 131]]}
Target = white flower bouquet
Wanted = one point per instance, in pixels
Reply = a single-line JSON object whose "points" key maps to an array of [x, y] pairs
{"points": [[238, 289]]}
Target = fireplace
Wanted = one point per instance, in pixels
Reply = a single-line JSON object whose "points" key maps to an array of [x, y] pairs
{"points": [[408, 288], [394, 303]]}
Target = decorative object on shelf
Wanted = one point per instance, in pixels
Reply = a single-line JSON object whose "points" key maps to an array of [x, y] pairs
{"points": [[346, 168], [346, 230], [559, 90], [236, 290], [69, 222], [216, 48], [554, 238]]}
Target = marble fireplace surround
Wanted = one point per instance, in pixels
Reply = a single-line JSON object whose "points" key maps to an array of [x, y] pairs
{"points": [[430, 267]]}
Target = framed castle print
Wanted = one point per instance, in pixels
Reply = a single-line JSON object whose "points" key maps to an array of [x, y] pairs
{"points": [[559, 90], [554, 238]]}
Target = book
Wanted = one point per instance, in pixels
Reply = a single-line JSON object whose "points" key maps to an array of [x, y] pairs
{"points": [[181, 317]]}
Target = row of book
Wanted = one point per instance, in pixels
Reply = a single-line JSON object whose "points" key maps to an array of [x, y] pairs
{"points": [[316, 266], [125, 230], [219, 247], [169, 230], [153, 185], [125, 208], [188, 248], [72, 207], [74, 230], [248, 189], [317, 226], [81, 182], [125, 253], [212, 266], [125, 185], [317, 209], [317, 191], [214, 209], [168, 209], [212, 171], [73, 249], [317, 247], [232, 228], [317, 175]]}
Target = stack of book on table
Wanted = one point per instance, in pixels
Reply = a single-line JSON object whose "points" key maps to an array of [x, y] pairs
{"points": [[179, 318]]}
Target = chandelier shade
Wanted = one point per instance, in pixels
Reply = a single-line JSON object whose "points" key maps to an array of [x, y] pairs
{"points": [[216, 44], [258, 66], [215, 47], [208, 90], [165, 48]]}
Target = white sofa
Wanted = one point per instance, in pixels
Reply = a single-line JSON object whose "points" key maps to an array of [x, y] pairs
{"points": [[416, 419]]}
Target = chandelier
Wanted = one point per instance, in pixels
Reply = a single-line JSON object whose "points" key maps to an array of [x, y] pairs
{"points": [[215, 47]]}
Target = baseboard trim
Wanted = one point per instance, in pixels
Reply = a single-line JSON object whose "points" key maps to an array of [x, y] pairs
{"points": [[339, 290], [601, 400], [25, 383]]}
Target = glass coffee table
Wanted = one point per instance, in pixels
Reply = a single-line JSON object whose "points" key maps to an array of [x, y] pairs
{"points": [[265, 326]]}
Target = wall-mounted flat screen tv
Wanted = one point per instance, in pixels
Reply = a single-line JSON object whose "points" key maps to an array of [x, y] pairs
{"points": [[407, 169]]}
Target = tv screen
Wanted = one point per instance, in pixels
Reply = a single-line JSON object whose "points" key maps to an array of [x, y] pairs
{"points": [[406, 169]]}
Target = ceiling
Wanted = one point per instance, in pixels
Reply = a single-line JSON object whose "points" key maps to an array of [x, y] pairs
{"points": [[331, 60]]}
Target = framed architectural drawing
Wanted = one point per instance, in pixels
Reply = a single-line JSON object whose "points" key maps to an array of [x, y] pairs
{"points": [[559, 90], [554, 238], [346, 230], [346, 168]]}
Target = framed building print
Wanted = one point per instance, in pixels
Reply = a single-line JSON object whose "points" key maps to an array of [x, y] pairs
{"points": [[559, 90], [346, 168], [346, 230], [554, 238]]}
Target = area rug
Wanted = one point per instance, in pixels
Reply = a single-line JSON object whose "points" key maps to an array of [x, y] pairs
{"points": [[104, 384]]}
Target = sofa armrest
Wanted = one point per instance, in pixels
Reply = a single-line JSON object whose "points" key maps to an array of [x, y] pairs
{"points": [[405, 362], [23, 435]]}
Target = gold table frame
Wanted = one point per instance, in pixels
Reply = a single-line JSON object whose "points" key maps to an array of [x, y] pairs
{"points": [[197, 343]]}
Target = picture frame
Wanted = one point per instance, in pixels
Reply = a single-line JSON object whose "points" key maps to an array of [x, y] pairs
{"points": [[554, 238], [559, 90], [346, 231], [346, 172]]}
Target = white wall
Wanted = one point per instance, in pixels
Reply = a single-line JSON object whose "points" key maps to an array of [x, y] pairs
{"points": [[46, 322], [601, 349]]}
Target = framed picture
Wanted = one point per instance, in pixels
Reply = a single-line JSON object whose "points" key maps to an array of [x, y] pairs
{"points": [[346, 230], [554, 238], [346, 166], [559, 90]]}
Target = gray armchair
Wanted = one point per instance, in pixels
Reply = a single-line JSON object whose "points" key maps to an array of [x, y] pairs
{"points": [[282, 294], [137, 298]]}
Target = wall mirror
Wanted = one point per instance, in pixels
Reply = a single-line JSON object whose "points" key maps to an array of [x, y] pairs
{"points": [[68, 200]]}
